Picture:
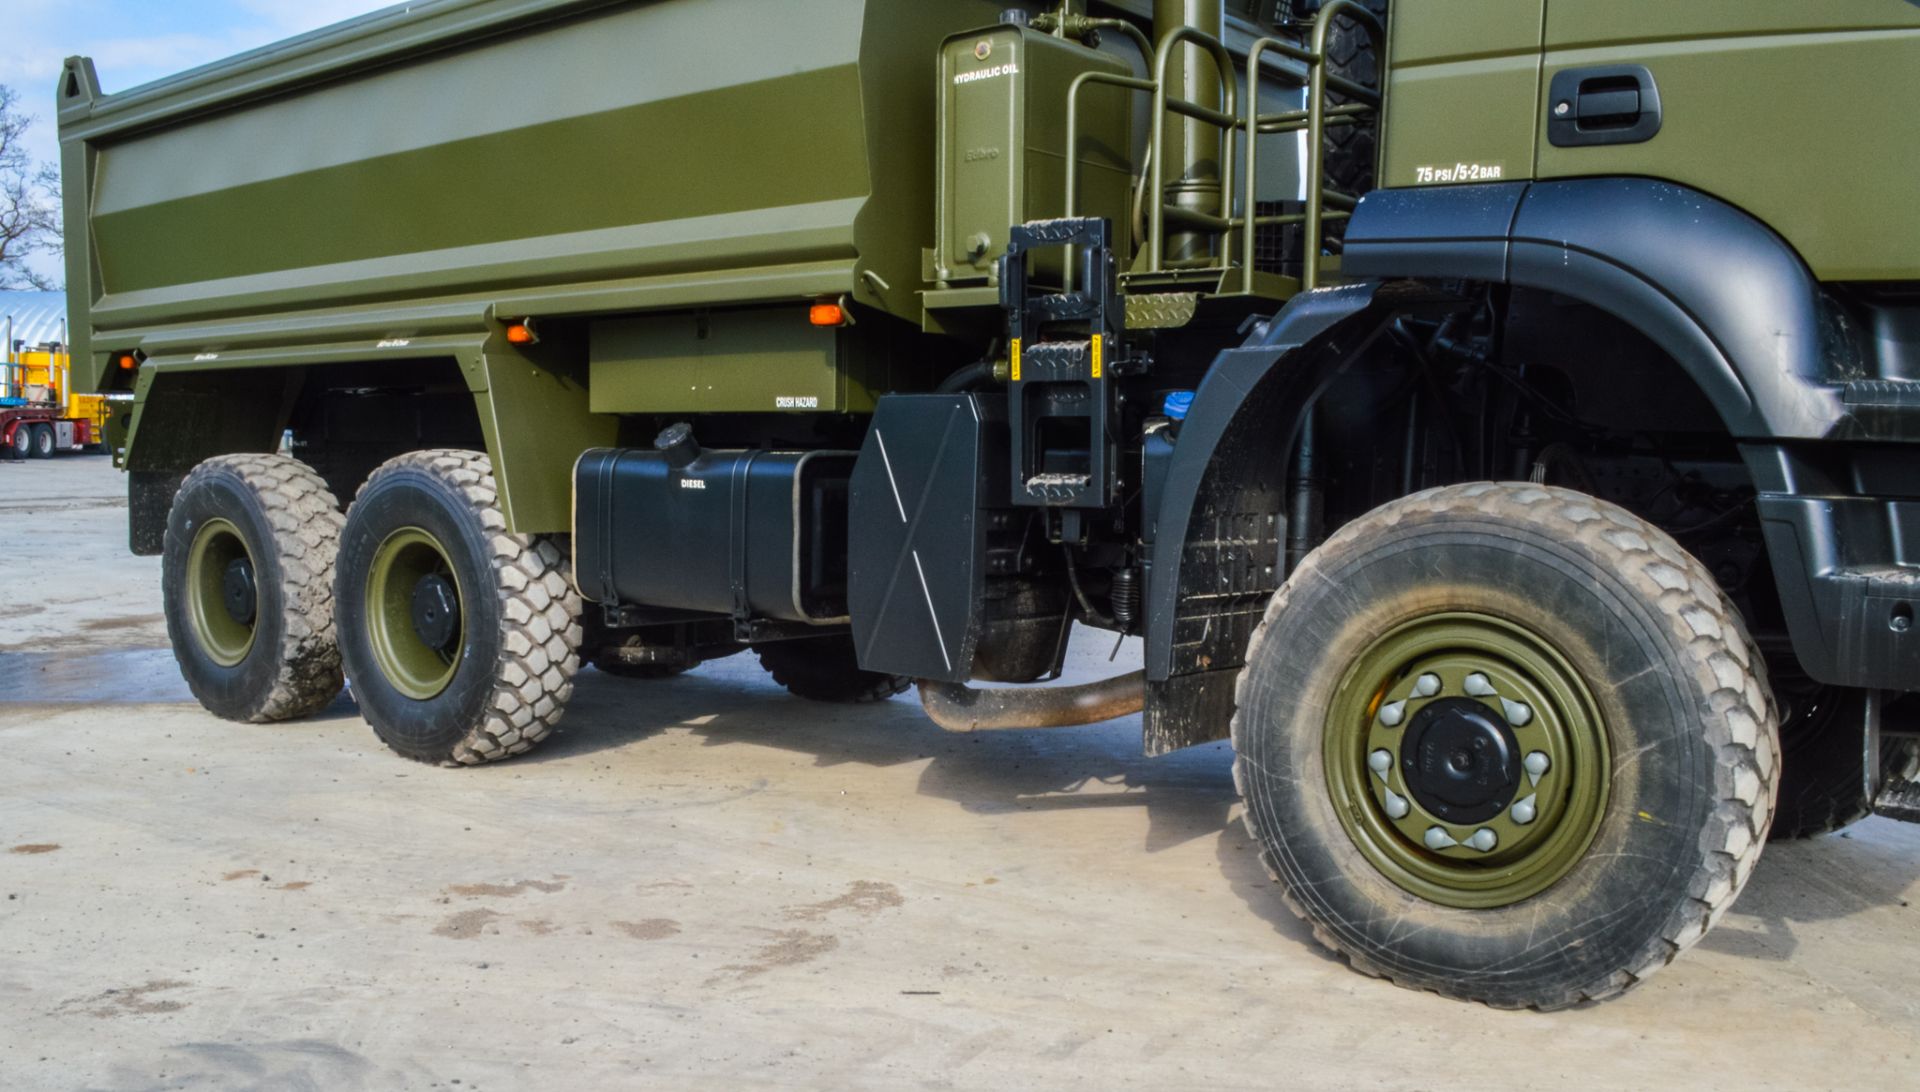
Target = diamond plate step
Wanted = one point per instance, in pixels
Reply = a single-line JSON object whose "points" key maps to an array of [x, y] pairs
{"points": [[1899, 800]]}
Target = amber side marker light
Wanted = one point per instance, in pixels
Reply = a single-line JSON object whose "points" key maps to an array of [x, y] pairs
{"points": [[522, 333], [127, 362], [827, 314]]}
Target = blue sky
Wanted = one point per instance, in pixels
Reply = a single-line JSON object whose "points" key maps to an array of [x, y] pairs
{"points": [[136, 41]]}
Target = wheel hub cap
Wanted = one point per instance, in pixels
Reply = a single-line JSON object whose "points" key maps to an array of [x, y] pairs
{"points": [[1467, 760], [1461, 760], [237, 590], [436, 611]]}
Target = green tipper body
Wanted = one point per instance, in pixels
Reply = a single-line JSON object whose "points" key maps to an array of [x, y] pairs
{"points": [[1762, 99], [391, 189], [665, 188]]}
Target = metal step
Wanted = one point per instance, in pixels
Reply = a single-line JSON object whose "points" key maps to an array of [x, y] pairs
{"points": [[1058, 359], [1899, 799], [1882, 393]]}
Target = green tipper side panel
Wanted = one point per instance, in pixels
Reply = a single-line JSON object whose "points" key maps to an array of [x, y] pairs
{"points": [[1805, 113], [1463, 90], [414, 177], [766, 360]]}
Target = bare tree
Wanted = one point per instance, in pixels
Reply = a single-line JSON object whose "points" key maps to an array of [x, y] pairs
{"points": [[29, 201]]}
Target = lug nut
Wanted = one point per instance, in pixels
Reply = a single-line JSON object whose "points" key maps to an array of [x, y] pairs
{"points": [[1525, 810]]}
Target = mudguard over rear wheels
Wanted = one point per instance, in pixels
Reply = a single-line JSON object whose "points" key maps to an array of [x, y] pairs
{"points": [[1507, 743], [246, 573], [460, 638]]}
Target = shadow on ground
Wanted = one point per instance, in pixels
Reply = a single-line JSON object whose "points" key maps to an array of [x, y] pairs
{"points": [[1185, 796]]}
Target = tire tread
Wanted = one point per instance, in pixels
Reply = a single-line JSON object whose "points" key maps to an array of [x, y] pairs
{"points": [[306, 521], [1746, 749], [540, 610]]}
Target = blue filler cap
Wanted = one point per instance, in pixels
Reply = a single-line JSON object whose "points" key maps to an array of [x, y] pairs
{"points": [[1177, 405]]}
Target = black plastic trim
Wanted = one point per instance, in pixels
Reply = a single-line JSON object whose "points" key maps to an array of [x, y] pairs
{"points": [[1717, 289], [1443, 231]]}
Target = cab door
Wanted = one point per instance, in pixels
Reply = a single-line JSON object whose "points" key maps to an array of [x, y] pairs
{"points": [[1801, 112], [1462, 92]]}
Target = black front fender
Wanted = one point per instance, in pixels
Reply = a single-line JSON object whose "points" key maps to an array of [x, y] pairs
{"points": [[1217, 535], [1717, 289]]}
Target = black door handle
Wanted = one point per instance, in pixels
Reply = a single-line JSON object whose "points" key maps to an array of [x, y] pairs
{"points": [[1610, 104]]}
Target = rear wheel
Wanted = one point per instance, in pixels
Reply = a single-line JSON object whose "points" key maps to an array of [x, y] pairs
{"points": [[620, 669], [1507, 743], [42, 441], [20, 444], [247, 581], [826, 669], [460, 638]]}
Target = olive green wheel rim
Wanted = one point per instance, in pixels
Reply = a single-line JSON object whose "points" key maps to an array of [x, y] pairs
{"points": [[1531, 817], [401, 562], [225, 639]]}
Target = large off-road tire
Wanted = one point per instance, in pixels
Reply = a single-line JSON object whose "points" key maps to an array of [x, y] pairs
{"points": [[1507, 743], [1823, 757], [826, 669], [246, 572], [460, 638], [1352, 150]]}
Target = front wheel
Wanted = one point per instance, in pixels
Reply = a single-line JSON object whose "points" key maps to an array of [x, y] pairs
{"points": [[1507, 743], [460, 639]]}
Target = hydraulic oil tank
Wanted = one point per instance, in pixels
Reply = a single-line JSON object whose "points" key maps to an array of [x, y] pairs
{"points": [[1003, 143]]}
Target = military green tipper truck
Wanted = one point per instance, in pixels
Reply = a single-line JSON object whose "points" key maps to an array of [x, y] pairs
{"points": [[1501, 418]]}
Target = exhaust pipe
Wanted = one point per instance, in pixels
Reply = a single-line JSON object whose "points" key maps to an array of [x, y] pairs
{"points": [[1192, 147], [960, 708]]}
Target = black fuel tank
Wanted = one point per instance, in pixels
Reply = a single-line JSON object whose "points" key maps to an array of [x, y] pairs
{"points": [[759, 534]]}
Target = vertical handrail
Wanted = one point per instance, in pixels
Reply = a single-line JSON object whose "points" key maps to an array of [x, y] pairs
{"points": [[1242, 114], [1072, 204], [1229, 91], [1251, 231], [1317, 122], [1318, 81]]}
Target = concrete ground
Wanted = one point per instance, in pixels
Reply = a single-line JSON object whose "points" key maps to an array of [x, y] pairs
{"points": [[704, 883]]}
